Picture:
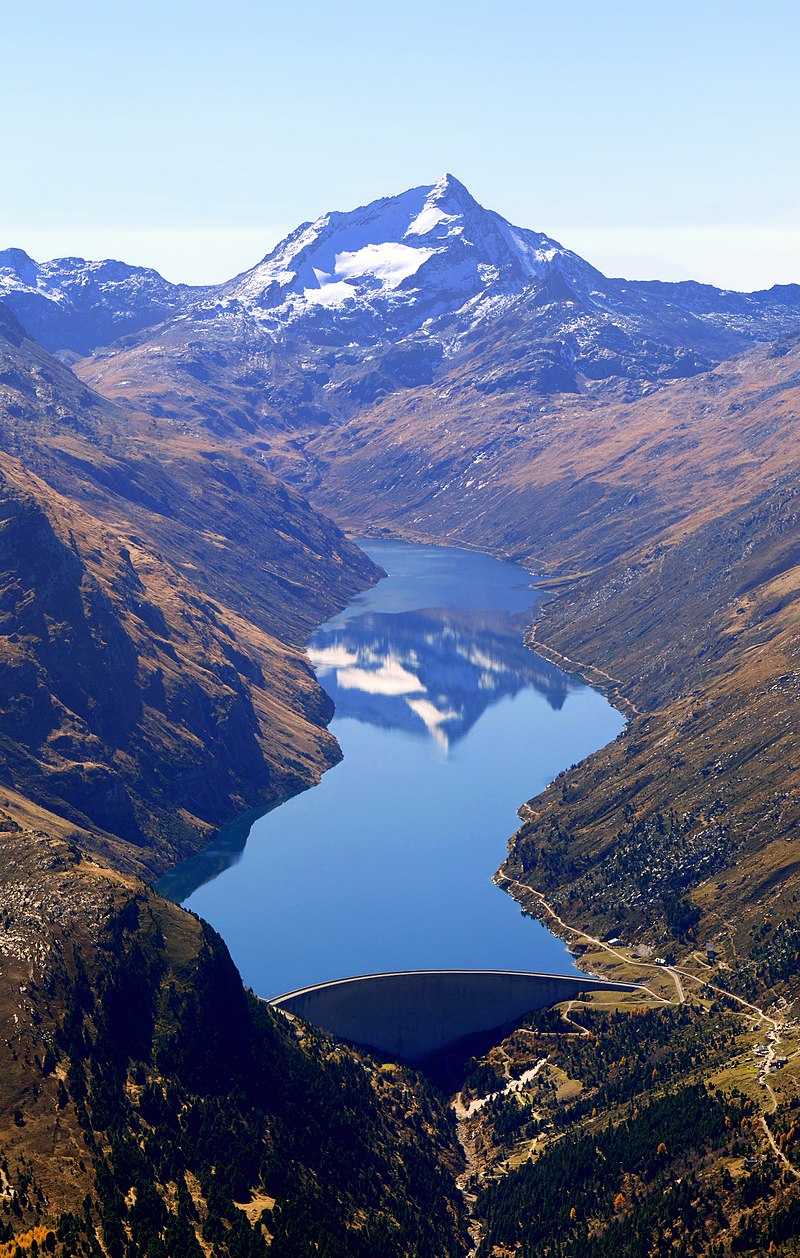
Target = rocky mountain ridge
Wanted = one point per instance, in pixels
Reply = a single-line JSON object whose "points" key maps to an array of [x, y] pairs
{"points": [[361, 304], [72, 305]]}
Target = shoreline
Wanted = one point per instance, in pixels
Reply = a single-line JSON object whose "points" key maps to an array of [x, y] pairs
{"points": [[586, 741]]}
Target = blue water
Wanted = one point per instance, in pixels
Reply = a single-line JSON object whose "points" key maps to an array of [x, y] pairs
{"points": [[447, 723]]}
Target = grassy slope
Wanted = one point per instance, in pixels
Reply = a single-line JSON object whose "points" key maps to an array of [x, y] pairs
{"points": [[701, 797], [130, 705], [213, 511]]}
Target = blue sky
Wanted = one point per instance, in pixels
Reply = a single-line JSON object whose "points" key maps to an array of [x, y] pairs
{"points": [[653, 138]]}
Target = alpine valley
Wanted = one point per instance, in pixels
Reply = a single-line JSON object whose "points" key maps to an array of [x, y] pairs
{"points": [[181, 470]]}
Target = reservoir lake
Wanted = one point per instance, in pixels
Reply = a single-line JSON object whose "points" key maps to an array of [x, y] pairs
{"points": [[447, 723]]}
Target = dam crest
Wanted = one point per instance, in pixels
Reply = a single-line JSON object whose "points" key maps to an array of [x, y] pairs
{"points": [[414, 1013]]}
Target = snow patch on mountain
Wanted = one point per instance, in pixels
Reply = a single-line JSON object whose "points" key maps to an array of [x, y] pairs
{"points": [[386, 265], [428, 218], [330, 294], [389, 262]]}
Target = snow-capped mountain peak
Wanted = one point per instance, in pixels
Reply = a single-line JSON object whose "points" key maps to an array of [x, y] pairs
{"points": [[429, 260], [400, 262], [444, 208]]}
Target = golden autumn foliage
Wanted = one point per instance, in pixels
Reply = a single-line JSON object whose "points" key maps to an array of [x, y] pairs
{"points": [[25, 1241]]}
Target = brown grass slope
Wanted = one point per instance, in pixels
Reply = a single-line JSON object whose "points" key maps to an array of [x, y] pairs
{"points": [[679, 515], [234, 530], [131, 705], [571, 480], [152, 601], [697, 807]]}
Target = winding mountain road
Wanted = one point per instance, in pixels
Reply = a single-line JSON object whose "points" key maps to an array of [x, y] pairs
{"points": [[678, 976]]}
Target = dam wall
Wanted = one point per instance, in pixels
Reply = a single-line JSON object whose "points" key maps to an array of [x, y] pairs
{"points": [[414, 1013]]}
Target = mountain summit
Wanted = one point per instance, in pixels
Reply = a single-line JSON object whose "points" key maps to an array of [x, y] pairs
{"points": [[409, 261]]}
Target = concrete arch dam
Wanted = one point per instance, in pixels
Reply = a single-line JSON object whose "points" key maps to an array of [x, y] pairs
{"points": [[414, 1013]]}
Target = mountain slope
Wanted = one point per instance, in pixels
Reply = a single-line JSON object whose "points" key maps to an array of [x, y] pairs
{"points": [[152, 603], [220, 516], [571, 480], [433, 261], [130, 705], [684, 830]]}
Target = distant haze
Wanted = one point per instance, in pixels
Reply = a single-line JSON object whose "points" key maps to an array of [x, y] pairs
{"points": [[656, 141], [729, 256]]}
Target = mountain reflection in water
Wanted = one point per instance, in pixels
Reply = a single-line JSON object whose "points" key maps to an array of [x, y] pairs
{"points": [[447, 723], [432, 672]]}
